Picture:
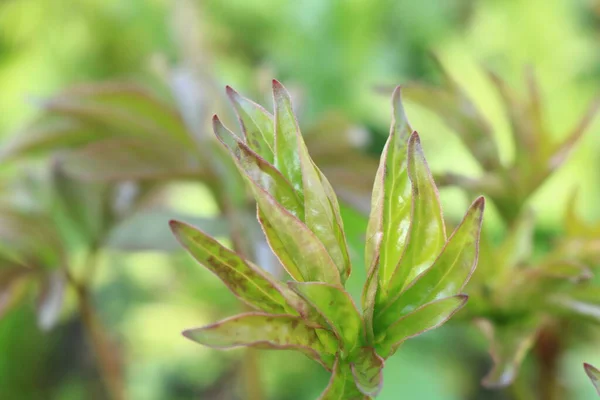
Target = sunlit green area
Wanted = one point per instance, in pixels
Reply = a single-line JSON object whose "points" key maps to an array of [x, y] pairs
{"points": [[341, 61]]}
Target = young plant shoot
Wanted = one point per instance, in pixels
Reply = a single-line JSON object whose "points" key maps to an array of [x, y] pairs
{"points": [[416, 273]]}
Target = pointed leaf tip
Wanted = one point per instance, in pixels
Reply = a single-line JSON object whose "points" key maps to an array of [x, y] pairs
{"points": [[174, 225], [594, 374]]}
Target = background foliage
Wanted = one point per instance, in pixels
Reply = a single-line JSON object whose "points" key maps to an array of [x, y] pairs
{"points": [[340, 60]]}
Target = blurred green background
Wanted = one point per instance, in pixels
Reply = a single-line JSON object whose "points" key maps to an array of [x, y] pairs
{"points": [[335, 56]]}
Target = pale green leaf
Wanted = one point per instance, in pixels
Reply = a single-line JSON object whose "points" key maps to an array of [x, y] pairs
{"points": [[259, 171], [427, 232], [257, 125], [594, 375], [321, 214], [266, 331], [251, 284], [423, 319], [449, 273]]}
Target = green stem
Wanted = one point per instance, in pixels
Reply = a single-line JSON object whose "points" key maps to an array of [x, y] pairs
{"points": [[107, 360]]}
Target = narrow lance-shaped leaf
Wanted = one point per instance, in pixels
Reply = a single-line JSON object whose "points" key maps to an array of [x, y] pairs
{"points": [[265, 331], [299, 250], [246, 281], [320, 215], [449, 273], [287, 156], [390, 205], [421, 320], [257, 125], [336, 307], [594, 375], [427, 234], [367, 371], [390, 212], [259, 170]]}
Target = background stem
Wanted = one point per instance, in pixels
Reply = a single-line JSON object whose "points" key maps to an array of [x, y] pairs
{"points": [[109, 365]]}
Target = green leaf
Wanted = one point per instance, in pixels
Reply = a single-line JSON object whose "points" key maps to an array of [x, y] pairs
{"points": [[390, 205], [449, 273], [121, 107], [341, 385], [49, 134], [337, 308], [257, 125], [246, 281], [129, 158], [427, 232], [367, 371], [421, 320], [259, 171], [509, 343], [390, 216], [265, 331], [321, 213], [287, 155], [297, 248], [594, 375]]}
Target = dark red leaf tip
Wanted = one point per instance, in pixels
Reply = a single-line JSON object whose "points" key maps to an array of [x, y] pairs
{"points": [[277, 85], [479, 203], [231, 92], [414, 139], [174, 224]]}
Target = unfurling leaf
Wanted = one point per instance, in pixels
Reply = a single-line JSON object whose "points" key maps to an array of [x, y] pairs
{"points": [[415, 275], [266, 331]]}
